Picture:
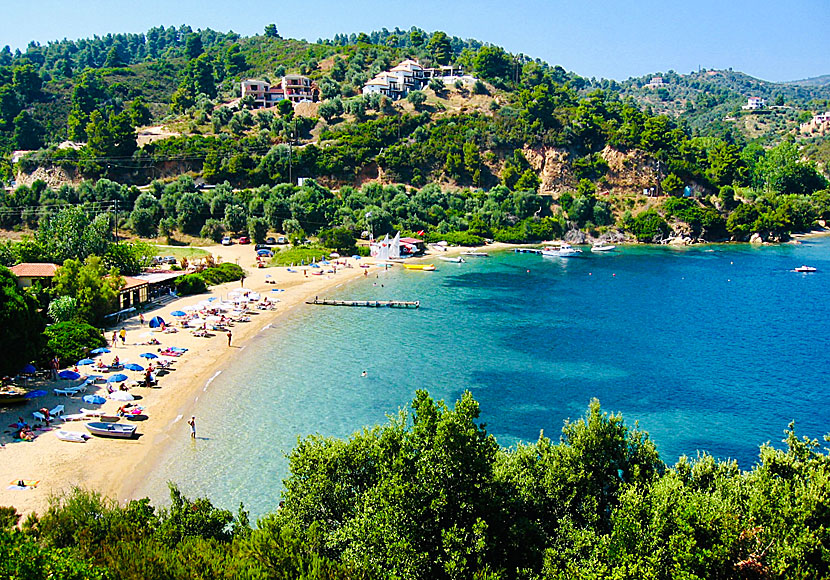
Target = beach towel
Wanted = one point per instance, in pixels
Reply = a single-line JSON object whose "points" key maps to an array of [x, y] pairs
{"points": [[27, 484]]}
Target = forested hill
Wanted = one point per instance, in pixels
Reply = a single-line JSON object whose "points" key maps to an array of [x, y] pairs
{"points": [[514, 123]]}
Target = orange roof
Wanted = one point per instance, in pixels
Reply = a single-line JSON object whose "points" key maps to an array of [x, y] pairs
{"points": [[34, 270]]}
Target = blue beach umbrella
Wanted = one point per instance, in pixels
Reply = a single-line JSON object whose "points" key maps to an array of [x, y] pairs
{"points": [[70, 375], [35, 394], [156, 321], [178, 313], [28, 369], [148, 355], [133, 367], [101, 350], [86, 361], [117, 378], [94, 400]]}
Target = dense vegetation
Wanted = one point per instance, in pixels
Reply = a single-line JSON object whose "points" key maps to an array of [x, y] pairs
{"points": [[432, 495], [478, 137]]}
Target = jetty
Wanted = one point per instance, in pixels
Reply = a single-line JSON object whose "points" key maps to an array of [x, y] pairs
{"points": [[366, 303]]}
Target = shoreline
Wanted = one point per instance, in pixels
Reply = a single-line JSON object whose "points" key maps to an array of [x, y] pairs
{"points": [[117, 467]]}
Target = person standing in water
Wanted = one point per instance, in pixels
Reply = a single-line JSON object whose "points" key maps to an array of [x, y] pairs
{"points": [[192, 424]]}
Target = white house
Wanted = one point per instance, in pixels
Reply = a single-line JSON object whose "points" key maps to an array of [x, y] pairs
{"points": [[753, 103], [410, 76], [655, 83]]}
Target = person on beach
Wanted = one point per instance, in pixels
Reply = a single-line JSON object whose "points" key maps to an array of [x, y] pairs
{"points": [[229, 337], [114, 338], [123, 335], [192, 424], [141, 318]]}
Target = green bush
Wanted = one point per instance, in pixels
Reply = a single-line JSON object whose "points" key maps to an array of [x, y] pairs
{"points": [[222, 273], [71, 341], [190, 284], [456, 238]]}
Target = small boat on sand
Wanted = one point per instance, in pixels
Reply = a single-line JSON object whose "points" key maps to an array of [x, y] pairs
{"points": [[71, 436], [805, 269], [422, 267], [119, 430], [12, 396], [453, 259]]}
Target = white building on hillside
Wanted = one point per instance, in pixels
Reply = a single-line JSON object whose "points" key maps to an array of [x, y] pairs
{"points": [[753, 103], [295, 88], [411, 76]]}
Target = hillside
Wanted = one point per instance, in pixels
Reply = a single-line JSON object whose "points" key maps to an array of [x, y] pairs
{"points": [[510, 125]]}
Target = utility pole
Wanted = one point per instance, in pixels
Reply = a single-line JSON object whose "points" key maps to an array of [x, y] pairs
{"points": [[116, 221]]}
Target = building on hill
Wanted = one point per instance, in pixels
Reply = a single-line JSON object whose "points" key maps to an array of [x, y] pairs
{"points": [[295, 88], [28, 273], [409, 76], [818, 125], [754, 103], [655, 83]]}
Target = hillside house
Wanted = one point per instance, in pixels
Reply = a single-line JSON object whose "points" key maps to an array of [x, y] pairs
{"points": [[819, 124], [295, 88], [409, 76], [28, 273], [655, 83], [754, 103]]}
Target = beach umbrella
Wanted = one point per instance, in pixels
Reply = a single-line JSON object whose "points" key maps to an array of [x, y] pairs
{"points": [[133, 367], [213, 318], [148, 355], [121, 396], [268, 276], [100, 350], [117, 378], [28, 369], [190, 308], [277, 290], [35, 394], [211, 299], [355, 257], [94, 399], [69, 375], [243, 290], [86, 361], [178, 313], [156, 321], [197, 321]]}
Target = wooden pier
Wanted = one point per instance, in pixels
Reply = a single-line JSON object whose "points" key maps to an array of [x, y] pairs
{"points": [[366, 303]]}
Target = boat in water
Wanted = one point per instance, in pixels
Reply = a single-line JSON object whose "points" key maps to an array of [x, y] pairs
{"points": [[476, 254], [453, 259], [603, 248], [422, 267], [119, 430], [805, 269], [563, 251]]}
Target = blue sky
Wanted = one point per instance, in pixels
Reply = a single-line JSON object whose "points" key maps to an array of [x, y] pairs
{"points": [[777, 41]]}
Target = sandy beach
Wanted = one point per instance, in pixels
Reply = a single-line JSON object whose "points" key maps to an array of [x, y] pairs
{"points": [[115, 467]]}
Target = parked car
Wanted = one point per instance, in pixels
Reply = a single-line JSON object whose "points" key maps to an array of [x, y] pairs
{"points": [[244, 240], [270, 241], [265, 253], [227, 241], [170, 260], [261, 247], [282, 240]]}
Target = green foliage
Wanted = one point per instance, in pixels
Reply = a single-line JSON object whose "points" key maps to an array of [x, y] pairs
{"points": [[190, 284], [296, 256], [222, 273], [212, 230], [341, 240], [71, 341], [63, 309], [70, 234], [20, 339], [455, 238], [129, 258], [648, 226], [94, 288]]}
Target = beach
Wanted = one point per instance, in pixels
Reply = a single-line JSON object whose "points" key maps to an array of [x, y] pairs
{"points": [[114, 467]]}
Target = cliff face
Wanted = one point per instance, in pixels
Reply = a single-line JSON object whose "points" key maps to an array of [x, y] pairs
{"points": [[629, 173]]}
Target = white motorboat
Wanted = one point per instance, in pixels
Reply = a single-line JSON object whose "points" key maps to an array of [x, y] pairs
{"points": [[475, 254], [805, 269], [119, 430], [603, 248], [454, 259], [563, 251]]}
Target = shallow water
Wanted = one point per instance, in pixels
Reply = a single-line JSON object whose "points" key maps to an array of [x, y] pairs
{"points": [[711, 348]]}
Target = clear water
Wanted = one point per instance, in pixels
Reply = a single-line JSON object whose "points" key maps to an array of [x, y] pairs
{"points": [[712, 348]]}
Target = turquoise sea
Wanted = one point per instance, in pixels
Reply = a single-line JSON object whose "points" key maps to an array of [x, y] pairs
{"points": [[711, 348]]}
